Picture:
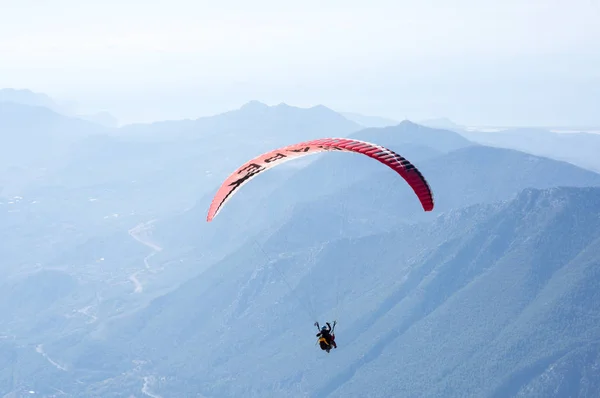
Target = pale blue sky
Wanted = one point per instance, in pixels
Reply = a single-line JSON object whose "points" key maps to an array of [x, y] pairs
{"points": [[478, 62]]}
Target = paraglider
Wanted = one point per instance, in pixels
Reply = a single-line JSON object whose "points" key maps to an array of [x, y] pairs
{"points": [[267, 160], [326, 337], [250, 169]]}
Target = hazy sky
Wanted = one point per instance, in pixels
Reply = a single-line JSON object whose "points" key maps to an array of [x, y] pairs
{"points": [[484, 62]]}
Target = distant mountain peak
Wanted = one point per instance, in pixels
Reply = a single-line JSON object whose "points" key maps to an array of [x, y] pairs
{"points": [[254, 105], [408, 124], [321, 107]]}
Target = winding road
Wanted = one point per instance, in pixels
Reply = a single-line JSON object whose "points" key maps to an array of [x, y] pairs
{"points": [[138, 233]]}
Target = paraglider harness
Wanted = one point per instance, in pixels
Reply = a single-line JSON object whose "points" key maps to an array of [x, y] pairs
{"points": [[325, 343]]}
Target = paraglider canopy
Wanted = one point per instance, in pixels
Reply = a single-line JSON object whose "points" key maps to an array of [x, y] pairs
{"points": [[267, 160]]}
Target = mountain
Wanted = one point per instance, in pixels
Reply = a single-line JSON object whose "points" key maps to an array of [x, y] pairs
{"points": [[30, 295], [504, 312], [307, 233], [22, 123], [483, 174], [83, 177], [29, 98], [278, 125], [35, 140], [219, 143], [114, 284], [489, 300], [580, 149]]}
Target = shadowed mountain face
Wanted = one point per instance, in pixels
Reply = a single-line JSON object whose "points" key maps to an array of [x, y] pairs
{"points": [[115, 285]]}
